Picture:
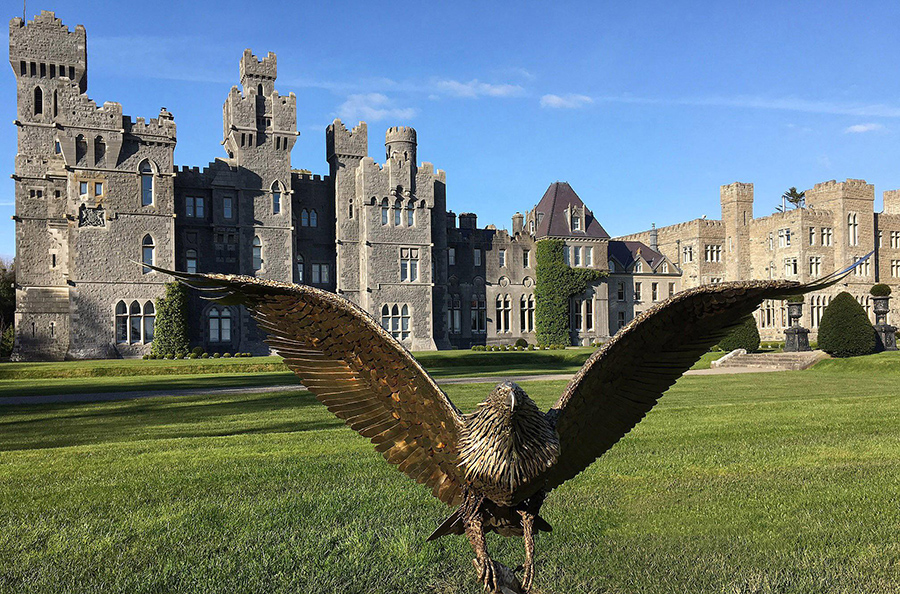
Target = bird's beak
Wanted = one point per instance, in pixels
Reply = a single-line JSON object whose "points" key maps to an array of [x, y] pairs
{"points": [[512, 402]]}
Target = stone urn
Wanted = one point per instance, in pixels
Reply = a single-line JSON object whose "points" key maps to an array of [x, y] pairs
{"points": [[796, 337], [886, 334]]}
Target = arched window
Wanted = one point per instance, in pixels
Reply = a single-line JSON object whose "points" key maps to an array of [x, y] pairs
{"points": [[148, 253], [191, 261], [257, 253], [404, 322], [313, 218], [99, 151], [384, 211], [852, 229], [55, 104], [80, 148], [398, 208], [300, 269], [134, 322], [220, 325], [38, 101], [259, 89], [410, 213], [304, 218], [146, 172], [276, 197], [121, 323], [149, 322], [396, 320], [532, 226]]}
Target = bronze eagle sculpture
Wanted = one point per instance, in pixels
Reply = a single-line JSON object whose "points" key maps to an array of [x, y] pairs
{"points": [[497, 464]]}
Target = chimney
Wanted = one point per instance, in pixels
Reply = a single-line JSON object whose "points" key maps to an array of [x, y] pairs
{"points": [[518, 223], [451, 219], [654, 238], [468, 220]]}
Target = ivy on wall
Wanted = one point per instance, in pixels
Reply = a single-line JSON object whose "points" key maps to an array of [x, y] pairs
{"points": [[556, 283], [171, 332]]}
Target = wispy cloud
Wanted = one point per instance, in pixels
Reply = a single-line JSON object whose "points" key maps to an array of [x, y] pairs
{"points": [[372, 107], [570, 101], [861, 128], [773, 103], [475, 88]]}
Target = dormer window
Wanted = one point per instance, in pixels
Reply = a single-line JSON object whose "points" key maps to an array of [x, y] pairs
{"points": [[576, 222], [639, 266]]}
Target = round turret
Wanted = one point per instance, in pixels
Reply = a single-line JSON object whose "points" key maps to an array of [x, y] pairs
{"points": [[400, 140]]}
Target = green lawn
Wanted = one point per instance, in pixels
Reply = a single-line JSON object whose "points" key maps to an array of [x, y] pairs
{"points": [[79, 377], [742, 484]]}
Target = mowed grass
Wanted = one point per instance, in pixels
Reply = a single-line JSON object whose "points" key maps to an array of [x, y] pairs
{"points": [[744, 484], [80, 377]]}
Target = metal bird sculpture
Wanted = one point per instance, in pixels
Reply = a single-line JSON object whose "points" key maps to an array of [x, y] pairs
{"points": [[497, 464]]}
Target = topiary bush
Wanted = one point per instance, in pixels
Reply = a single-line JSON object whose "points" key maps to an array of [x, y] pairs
{"points": [[795, 299], [171, 331], [845, 330], [743, 336], [880, 290], [556, 283], [204, 356], [521, 342], [198, 350]]}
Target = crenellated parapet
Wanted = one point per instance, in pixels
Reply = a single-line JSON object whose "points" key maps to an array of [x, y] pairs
{"points": [[46, 48], [348, 143]]}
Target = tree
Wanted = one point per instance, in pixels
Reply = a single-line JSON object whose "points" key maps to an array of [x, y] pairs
{"points": [[845, 330], [796, 198], [171, 333], [557, 282], [744, 336], [7, 292]]}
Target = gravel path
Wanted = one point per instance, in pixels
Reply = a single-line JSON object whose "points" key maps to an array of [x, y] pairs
{"points": [[107, 396]]}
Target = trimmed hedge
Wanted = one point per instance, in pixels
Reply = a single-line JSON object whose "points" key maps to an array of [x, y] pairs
{"points": [[744, 336], [845, 330], [557, 282], [880, 290]]}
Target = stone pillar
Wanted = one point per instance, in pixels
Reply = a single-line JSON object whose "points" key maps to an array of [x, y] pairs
{"points": [[796, 337], [886, 334]]}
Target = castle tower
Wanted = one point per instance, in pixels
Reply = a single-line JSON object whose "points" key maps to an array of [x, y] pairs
{"points": [[92, 197], [344, 150], [260, 129], [737, 213]]}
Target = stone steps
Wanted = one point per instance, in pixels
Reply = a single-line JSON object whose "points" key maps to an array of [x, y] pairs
{"points": [[786, 361]]}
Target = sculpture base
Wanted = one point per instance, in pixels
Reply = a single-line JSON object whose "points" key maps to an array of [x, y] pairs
{"points": [[887, 337], [796, 339]]}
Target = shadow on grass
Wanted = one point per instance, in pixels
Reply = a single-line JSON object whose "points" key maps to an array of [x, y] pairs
{"points": [[71, 424]]}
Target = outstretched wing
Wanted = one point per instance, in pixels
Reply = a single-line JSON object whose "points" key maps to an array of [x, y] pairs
{"points": [[623, 380], [356, 369]]}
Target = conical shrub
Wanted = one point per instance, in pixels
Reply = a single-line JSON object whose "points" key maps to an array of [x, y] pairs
{"points": [[745, 336], [845, 330]]}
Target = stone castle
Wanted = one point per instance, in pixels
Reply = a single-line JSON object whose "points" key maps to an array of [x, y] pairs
{"points": [[98, 195]]}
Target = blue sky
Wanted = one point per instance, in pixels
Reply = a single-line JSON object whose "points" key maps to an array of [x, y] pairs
{"points": [[645, 108]]}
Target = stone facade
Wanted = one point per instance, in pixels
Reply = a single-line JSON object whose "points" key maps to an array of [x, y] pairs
{"points": [[97, 193], [835, 228]]}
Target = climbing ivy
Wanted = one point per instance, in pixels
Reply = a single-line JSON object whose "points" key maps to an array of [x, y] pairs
{"points": [[556, 283], [171, 333]]}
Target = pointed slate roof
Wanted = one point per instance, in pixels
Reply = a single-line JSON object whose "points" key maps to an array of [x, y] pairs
{"points": [[558, 197], [626, 253]]}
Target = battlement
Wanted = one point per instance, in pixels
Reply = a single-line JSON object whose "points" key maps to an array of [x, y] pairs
{"points": [[164, 125], [891, 202], [823, 193], [400, 134], [340, 141], [46, 48], [253, 67], [310, 177], [737, 191]]}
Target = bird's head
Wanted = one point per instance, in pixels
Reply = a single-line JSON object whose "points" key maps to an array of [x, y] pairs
{"points": [[508, 399]]}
